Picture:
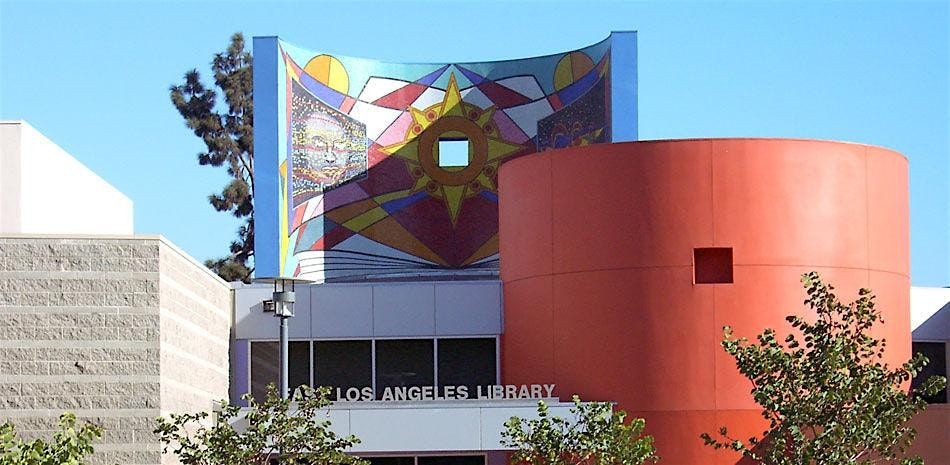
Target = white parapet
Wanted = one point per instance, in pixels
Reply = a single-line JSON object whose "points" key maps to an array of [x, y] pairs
{"points": [[463, 425], [930, 313], [432, 426], [44, 190]]}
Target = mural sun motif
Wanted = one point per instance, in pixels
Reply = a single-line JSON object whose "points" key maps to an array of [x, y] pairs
{"points": [[455, 120]]}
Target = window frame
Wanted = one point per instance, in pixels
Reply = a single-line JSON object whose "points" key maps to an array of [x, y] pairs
{"points": [[415, 457], [435, 354]]}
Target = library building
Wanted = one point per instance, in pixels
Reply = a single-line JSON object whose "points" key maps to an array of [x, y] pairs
{"points": [[461, 240]]}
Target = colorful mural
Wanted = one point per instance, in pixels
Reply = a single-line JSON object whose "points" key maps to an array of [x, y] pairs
{"points": [[357, 188], [583, 122], [328, 148]]}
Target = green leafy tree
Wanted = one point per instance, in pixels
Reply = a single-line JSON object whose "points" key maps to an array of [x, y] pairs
{"points": [[597, 436], [827, 394], [226, 128], [286, 429], [69, 445]]}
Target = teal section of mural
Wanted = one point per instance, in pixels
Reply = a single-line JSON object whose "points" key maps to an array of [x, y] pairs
{"points": [[362, 194]]}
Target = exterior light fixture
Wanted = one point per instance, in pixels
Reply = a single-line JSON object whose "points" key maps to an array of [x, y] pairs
{"points": [[282, 305], [267, 306]]}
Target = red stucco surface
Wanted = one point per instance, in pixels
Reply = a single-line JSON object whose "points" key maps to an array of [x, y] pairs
{"points": [[596, 258]]}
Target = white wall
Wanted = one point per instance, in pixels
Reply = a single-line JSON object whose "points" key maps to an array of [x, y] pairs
{"points": [[47, 191], [433, 426], [9, 177], [430, 426], [930, 318], [930, 313]]}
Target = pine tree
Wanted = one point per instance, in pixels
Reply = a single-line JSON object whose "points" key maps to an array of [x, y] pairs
{"points": [[226, 128]]}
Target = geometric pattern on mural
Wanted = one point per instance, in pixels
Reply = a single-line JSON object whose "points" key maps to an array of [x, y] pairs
{"points": [[377, 201]]}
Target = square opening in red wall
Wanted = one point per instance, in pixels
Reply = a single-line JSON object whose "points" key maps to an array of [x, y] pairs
{"points": [[712, 265]]}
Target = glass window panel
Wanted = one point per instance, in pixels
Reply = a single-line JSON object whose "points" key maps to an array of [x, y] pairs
{"points": [[298, 364], [342, 364], [391, 460], [403, 362], [467, 362], [264, 367], [936, 352], [452, 459]]}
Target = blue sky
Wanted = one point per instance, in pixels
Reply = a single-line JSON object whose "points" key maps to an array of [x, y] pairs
{"points": [[94, 78]]}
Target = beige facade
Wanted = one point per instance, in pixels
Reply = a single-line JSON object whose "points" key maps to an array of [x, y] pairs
{"points": [[118, 330]]}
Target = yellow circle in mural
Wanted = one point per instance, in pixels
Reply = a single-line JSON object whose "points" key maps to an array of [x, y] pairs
{"points": [[570, 68], [329, 71]]}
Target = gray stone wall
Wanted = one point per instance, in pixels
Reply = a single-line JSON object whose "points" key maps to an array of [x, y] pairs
{"points": [[194, 333], [103, 327]]}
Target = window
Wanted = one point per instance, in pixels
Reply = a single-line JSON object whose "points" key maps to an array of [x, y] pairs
{"points": [[452, 153], [298, 364], [346, 364], [265, 363], [429, 460], [265, 366], [391, 460], [936, 352], [343, 364], [712, 265], [404, 362], [467, 362], [452, 460]]}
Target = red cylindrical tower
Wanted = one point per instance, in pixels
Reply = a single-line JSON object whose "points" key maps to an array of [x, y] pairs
{"points": [[597, 258]]}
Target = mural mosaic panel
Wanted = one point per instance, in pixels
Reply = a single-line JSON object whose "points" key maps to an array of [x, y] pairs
{"points": [[361, 193], [329, 148], [583, 122]]}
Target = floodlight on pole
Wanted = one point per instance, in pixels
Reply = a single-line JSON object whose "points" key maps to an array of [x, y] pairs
{"points": [[282, 304]]}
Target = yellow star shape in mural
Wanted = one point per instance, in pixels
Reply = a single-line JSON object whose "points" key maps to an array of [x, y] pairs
{"points": [[452, 119]]}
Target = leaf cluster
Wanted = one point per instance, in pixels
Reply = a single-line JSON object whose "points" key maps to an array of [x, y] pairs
{"points": [[69, 445], [228, 134], [596, 435], [826, 392], [290, 430]]}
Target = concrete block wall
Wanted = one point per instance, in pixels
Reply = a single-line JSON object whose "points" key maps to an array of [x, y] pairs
{"points": [[107, 328], [194, 332]]}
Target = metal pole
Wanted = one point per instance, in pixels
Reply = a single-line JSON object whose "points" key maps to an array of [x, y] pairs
{"points": [[283, 304], [284, 359]]}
